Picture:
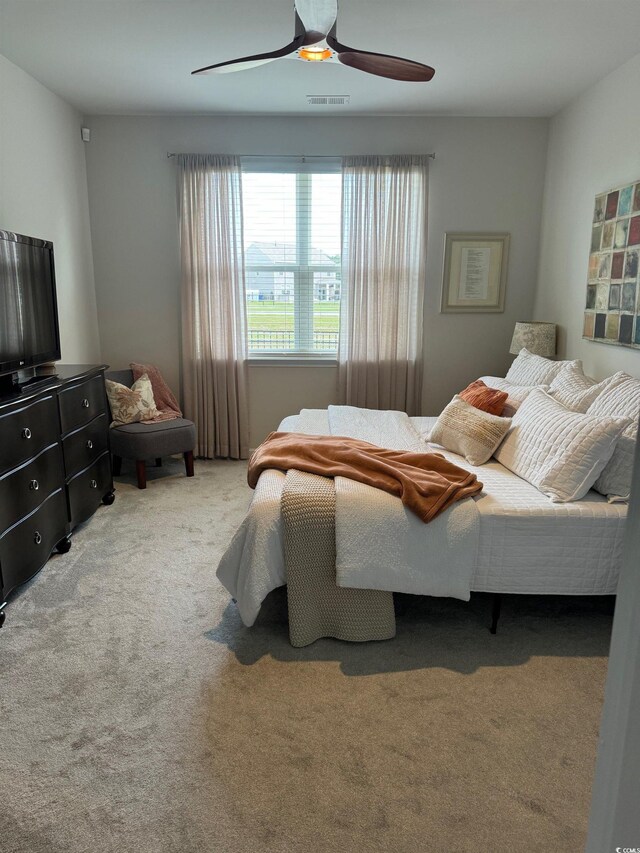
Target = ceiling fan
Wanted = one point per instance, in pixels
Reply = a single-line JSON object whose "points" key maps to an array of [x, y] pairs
{"points": [[316, 40]]}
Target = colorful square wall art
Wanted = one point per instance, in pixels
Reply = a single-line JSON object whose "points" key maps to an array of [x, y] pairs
{"points": [[612, 305]]}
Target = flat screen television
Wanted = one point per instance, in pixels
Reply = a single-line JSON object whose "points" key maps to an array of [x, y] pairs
{"points": [[29, 331]]}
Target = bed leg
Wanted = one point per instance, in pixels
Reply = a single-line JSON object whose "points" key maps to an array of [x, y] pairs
{"points": [[495, 612]]}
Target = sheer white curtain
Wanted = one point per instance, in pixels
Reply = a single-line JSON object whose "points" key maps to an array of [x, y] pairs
{"points": [[214, 320], [384, 234]]}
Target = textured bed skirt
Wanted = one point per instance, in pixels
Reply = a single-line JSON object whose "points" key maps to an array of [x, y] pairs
{"points": [[317, 606]]}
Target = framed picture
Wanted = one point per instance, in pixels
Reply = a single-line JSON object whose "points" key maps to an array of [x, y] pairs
{"points": [[612, 303], [475, 272]]}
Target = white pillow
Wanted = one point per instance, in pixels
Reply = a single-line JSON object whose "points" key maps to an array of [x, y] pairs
{"points": [[559, 452], [576, 391], [621, 399], [468, 431], [517, 393], [530, 369], [615, 480]]}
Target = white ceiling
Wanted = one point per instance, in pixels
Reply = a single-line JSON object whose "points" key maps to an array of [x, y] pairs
{"points": [[492, 57]]}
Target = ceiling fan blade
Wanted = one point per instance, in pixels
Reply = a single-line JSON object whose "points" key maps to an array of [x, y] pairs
{"points": [[381, 64], [387, 66], [318, 17], [245, 62], [235, 65]]}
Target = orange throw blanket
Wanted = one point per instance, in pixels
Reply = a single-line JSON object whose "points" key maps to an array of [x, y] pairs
{"points": [[426, 483]]}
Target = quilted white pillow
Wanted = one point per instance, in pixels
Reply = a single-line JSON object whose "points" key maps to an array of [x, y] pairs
{"points": [[530, 369], [615, 480], [559, 452], [622, 400], [576, 391]]}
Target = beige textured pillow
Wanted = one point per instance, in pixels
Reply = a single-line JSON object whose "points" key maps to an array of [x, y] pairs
{"points": [[131, 405], [468, 431]]}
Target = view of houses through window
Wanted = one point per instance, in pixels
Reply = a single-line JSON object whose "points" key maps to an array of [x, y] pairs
{"points": [[292, 261]]}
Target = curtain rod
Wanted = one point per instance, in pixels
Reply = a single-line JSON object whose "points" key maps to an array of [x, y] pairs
{"points": [[431, 156]]}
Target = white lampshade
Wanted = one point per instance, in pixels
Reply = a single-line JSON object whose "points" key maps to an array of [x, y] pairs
{"points": [[538, 338]]}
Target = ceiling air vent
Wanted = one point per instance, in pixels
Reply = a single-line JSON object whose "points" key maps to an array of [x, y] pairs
{"points": [[328, 100]]}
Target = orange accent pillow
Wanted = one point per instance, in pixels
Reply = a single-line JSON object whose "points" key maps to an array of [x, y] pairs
{"points": [[482, 397]]}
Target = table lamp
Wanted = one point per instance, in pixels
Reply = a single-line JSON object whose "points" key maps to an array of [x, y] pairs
{"points": [[538, 338]]}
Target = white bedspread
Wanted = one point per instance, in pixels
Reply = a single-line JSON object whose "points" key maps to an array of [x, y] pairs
{"points": [[379, 543], [393, 430], [527, 544], [530, 545]]}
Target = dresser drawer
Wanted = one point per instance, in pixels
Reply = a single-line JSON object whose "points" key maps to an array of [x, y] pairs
{"points": [[26, 487], [83, 446], [25, 548], [87, 489], [26, 431], [81, 403]]}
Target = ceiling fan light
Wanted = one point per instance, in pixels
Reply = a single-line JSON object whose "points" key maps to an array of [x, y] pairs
{"points": [[315, 54]]}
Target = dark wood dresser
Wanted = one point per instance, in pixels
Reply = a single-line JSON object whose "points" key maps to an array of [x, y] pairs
{"points": [[55, 468]]}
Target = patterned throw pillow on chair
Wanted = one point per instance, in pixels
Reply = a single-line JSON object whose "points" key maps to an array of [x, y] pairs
{"points": [[131, 405]]}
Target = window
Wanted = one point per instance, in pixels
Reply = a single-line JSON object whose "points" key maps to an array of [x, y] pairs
{"points": [[291, 220]]}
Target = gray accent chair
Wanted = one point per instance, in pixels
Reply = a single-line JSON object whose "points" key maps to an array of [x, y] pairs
{"points": [[150, 441]]}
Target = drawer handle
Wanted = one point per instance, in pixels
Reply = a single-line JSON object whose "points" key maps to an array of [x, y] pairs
{"points": [[93, 484], [85, 403], [26, 432], [34, 485], [37, 537], [89, 445]]}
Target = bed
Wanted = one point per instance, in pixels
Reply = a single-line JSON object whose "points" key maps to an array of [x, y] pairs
{"points": [[524, 543]]}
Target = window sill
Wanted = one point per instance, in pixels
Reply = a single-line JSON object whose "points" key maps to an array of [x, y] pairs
{"points": [[292, 361]]}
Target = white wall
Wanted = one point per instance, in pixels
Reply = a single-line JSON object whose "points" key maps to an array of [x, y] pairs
{"points": [[614, 822], [43, 193], [593, 146], [488, 176]]}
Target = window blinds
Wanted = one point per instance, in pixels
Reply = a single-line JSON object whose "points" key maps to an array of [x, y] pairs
{"points": [[291, 227]]}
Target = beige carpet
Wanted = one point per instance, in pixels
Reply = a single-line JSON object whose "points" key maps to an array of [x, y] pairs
{"points": [[137, 714]]}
